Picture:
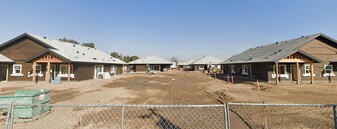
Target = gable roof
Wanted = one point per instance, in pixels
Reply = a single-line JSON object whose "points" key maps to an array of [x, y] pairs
{"points": [[69, 51], [276, 51], [151, 59], [207, 60], [4, 59], [186, 62]]}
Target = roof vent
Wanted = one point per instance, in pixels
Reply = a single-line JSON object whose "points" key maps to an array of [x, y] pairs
{"points": [[302, 37], [45, 37], [83, 54], [77, 52], [276, 43], [94, 58], [74, 45], [88, 48]]}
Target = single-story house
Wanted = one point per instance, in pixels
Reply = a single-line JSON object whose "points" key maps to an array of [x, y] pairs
{"points": [[30, 57], [205, 63], [151, 62], [302, 59], [186, 65]]}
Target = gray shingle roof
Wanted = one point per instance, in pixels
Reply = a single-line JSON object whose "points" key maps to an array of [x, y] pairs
{"points": [[152, 59], [274, 52], [207, 60], [72, 52], [186, 62], [4, 59]]}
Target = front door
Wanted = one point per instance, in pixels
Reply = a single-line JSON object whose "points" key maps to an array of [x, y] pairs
{"points": [[293, 72], [3, 73], [98, 71], [52, 72]]}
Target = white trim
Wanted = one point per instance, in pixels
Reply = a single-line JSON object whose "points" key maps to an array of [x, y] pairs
{"points": [[98, 73], [308, 75], [280, 75], [17, 74], [66, 75]]}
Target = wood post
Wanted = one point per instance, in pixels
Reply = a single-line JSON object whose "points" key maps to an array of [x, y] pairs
{"points": [[276, 72], [7, 73], [298, 71], [312, 73], [48, 71], [68, 72], [34, 71]]}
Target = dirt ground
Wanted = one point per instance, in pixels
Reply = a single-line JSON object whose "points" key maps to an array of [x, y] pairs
{"points": [[181, 87]]}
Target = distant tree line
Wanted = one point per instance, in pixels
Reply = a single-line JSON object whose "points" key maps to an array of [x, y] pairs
{"points": [[126, 58], [117, 55], [92, 45]]}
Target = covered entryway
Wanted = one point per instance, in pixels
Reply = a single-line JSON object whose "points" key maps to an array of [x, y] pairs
{"points": [[295, 60], [51, 61], [3, 73]]}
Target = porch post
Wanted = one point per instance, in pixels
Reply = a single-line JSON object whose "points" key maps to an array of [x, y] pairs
{"points": [[68, 72], [34, 71], [7, 72], [312, 73], [48, 71], [276, 72], [298, 73]]}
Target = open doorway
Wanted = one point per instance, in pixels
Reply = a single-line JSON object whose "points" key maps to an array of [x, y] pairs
{"points": [[3, 72]]}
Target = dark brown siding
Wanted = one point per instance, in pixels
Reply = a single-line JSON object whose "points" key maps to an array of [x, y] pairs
{"points": [[20, 51], [120, 69], [140, 68], [326, 51], [83, 71]]}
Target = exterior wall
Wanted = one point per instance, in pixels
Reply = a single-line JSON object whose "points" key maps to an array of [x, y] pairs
{"points": [[140, 68], [326, 51], [120, 69], [20, 51], [258, 70]]}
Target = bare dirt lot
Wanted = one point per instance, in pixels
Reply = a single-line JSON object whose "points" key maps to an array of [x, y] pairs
{"points": [[180, 87]]}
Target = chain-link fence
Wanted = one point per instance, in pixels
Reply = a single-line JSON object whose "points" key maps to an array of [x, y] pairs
{"points": [[231, 115]]}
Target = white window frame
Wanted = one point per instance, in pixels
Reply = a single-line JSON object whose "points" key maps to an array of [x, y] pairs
{"points": [[244, 68], [307, 71], [39, 69], [328, 74], [71, 69], [14, 70], [285, 75], [232, 69]]}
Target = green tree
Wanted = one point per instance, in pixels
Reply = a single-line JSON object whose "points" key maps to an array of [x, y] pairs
{"points": [[92, 45], [69, 40], [126, 58]]}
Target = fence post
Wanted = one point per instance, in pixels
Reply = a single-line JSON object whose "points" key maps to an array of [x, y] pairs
{"points": [[9, 118], [226, 116], [122, 118], [335, 115]]}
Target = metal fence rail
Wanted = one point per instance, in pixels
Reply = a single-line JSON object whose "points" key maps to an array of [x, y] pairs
{"points": [[126, 116]]}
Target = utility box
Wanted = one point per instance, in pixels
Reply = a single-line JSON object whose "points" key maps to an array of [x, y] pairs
{"points": [[57, 80], [22, 97]]}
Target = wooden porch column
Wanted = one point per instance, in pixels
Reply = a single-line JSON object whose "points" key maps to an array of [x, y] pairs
{"points": [[298, 71], [276, 72], [34, 71], [68, 72], [48, 71], [7, 73], [312, 73]]}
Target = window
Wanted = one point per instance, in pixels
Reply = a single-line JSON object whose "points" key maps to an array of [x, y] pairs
{"points": [[328, 71], [38, 69], [64, 69], [17, 70], [232, 68], [307, 69], [282, 69], [245, 69]]}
